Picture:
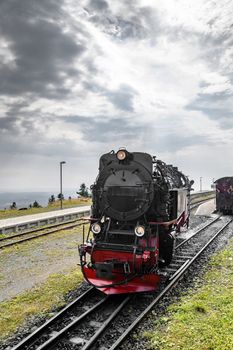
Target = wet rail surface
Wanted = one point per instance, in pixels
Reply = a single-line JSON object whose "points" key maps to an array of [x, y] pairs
{"points": [[97, 321]]}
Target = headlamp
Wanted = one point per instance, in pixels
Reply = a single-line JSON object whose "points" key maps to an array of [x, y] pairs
{"points": [[96, 228], [139, 231], [121, 154]]}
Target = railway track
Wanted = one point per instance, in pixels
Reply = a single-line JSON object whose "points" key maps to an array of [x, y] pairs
{"points": [[22, 237], [186, 254], [84, 309], [11, 240], [96, 321]]}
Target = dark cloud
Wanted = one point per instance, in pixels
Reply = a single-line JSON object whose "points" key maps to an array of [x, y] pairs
{"points": [[122, 98], [101, 129], [20, 135], [131, 28], [124, 130], [17, 121], [98, 5], [8, 124], [34, 145], [43, 52], [217, 106], [173, 142], [131, 21]]}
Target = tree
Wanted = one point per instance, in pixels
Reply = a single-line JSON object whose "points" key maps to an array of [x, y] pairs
{"points": [[83, 191], [52, 199], [13, 205], [60, 196], [36, 205]]}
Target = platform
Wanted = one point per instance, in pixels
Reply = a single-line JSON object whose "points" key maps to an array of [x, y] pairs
{"points": [[27, 221], [207, 208]]}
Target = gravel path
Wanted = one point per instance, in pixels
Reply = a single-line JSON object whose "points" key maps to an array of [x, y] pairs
{"points": [[30, 263]]}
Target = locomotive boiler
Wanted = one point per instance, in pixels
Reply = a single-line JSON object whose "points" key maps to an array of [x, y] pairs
{"points": [[139, 205]]}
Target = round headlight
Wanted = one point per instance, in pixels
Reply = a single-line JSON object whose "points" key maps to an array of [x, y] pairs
{"points": [[96, 228], [121, 155], [139, 231]]}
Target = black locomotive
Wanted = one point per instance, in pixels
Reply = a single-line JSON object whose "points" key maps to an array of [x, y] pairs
{"points": [[224, 195], [139, 204]]}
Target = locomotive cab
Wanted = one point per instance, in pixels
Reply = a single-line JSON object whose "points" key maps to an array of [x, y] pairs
{"points": [[136, 204]]}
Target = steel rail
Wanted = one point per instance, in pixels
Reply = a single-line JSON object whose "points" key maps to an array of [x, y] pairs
{"points": [[40, 235], [50, 342], [173, 282], [197, 232], [106, 323], [34, 336]]}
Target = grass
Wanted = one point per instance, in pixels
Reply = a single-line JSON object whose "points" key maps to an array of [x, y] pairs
{"points": [[204, 318], [39, 301], [74, 202]]}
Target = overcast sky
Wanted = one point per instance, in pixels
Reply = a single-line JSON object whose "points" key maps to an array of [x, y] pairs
{"points": [[80, 78]]}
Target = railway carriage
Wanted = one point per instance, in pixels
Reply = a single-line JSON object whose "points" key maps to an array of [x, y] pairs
{"points": [[224, 195], [139, 205]]}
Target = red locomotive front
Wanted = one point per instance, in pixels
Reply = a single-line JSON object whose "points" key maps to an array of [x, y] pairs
{"points": [[139, 203]]}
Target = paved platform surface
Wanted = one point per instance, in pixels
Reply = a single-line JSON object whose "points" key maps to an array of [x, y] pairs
{"points": [[41, 216], [206, 208]]}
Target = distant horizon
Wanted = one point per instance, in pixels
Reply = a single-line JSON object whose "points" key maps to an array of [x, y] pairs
{"points": [[38, 190], [65, 191], [25, 198]]}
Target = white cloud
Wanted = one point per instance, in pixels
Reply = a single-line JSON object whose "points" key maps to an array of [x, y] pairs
{"points": [[151, 76]]}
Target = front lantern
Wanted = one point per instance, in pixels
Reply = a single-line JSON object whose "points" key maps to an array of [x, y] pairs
{"points": [[139, 231], [96, 228], [121, 154]]}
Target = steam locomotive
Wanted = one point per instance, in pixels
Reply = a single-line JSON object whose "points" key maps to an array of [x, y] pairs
{"points": [[139, 205], [224, 195]]}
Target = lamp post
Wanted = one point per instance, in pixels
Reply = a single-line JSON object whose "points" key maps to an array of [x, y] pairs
{"points": [[201, 184], [61, 195], [213, 186]]}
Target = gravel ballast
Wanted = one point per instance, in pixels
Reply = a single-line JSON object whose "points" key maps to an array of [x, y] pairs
{"points": [[192, 280]]}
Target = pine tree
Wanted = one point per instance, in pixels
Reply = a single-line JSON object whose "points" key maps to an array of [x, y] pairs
{"points": [[13, 205], [52, 199], [60, 196], [36, 205], [83, 191]]}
